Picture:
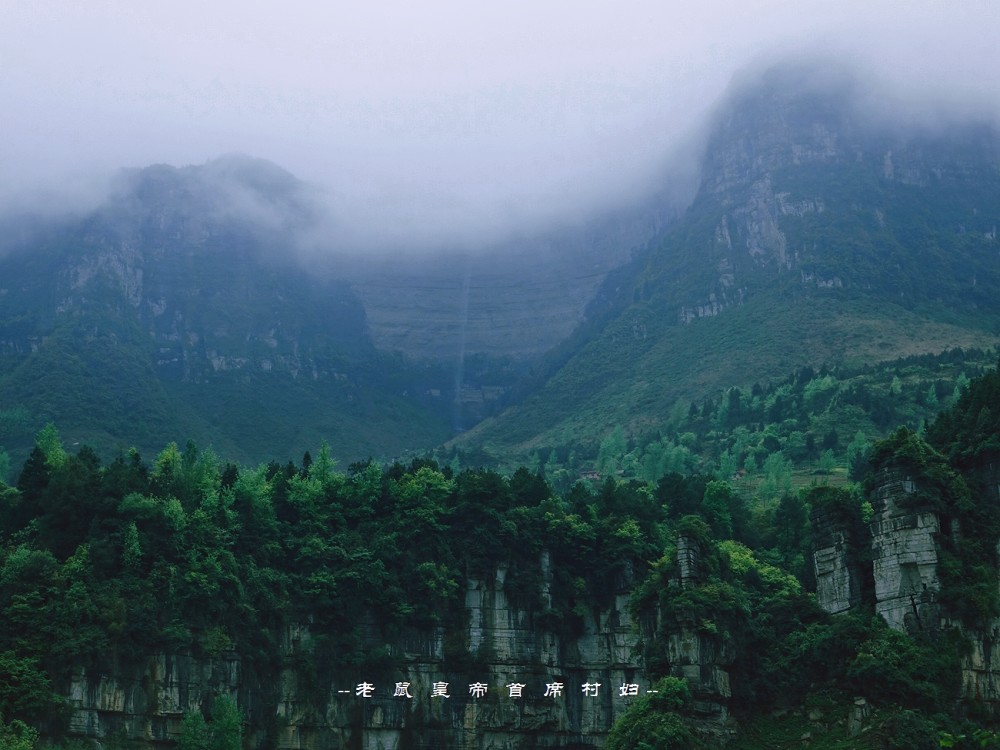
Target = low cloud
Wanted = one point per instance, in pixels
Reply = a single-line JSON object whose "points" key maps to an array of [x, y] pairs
{"points": [[444, 124]]}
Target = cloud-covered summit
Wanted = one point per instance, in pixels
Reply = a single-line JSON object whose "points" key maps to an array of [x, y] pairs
{"points": [[442, 123]]}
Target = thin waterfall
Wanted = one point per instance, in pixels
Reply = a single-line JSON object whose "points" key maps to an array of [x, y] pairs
{"points": [[457, 424]]}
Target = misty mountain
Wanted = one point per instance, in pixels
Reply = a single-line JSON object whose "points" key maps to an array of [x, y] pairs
{"points": [[509, 301], [181, 310], [220, 303], [825, 230]]}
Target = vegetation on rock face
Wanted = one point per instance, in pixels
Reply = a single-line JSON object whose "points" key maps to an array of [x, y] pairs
{"points": [[655, 721], [192, 555], [819, 422], [189, 554], [969, 569], [224, 732], [879, 242]]}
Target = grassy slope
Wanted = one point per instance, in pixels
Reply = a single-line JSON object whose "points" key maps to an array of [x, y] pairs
{"points": [[101, 390], [281, 418], [635, 372], [911, 261]]}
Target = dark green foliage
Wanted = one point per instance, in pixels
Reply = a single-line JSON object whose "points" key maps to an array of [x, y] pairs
{"points": [[652, 722], [226, 728], [919, 671], [969, 432], [681, 495], [194, 733], [25, 688], [195, 555], [716, 507], [223, 732], [191, 555], [911, 730], [17, 735]]}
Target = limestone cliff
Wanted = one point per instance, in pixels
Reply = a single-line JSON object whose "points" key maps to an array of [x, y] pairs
{"points": [[800, 176], [838, 576], [699, 655], [901, 541], [299, 704], [905, 540], [904, 555]]}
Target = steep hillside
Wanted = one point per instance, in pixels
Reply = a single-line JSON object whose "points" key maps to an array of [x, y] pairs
{"points": [[820, 235], [514, 299], [179, 311], [217, 303]]}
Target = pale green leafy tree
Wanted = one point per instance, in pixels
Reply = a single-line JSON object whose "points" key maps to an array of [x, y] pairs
{"points": [[50, 443], [194, 732], [227, 725], [17, 736], [827, 462], [612, 450]]}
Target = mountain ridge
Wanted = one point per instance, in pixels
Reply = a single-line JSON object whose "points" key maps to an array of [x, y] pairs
{"points": [[818, 234], [821, 232], [196, 305]]}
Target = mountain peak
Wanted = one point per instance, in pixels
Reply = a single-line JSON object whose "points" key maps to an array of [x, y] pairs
{"points": [[231, 188], [261, 174], [786, 114], [824, 112]]}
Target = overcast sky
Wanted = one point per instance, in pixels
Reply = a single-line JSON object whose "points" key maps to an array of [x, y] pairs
{"points": [[431, 116]]}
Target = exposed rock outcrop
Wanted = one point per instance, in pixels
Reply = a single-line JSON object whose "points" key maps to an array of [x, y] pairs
{"points": [[571, 687], [700, 658], [838, 576], [904, 555], [905, 544]]}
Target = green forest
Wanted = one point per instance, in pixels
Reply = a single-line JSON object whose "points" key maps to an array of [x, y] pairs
{"points": [[108, 561], [765, 436]]}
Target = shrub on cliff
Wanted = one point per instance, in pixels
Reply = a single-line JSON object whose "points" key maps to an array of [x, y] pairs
{"points": [[654, 721]]}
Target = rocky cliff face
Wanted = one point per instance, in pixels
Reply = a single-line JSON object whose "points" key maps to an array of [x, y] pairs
{"points": [[838, 576], [802, 178], [416, 699], [183, 310], [204, 261], [905, 545], [904, 555], [700, 658]]}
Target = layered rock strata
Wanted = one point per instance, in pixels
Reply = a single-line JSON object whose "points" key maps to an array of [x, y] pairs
{"points": [[519, 687]]}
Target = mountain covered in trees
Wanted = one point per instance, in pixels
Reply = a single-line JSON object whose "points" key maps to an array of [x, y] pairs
{"points": [[743, 460], [181, 309], [276, 589], [827, 231], [217, 303]]}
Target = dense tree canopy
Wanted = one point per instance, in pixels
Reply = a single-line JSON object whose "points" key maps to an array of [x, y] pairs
{"points": [[189, 554]]}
